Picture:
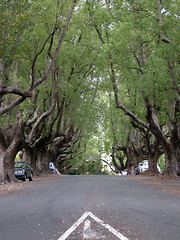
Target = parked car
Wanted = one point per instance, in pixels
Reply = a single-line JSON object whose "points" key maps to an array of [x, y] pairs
{"points": [[143, 166], [124, 172], [137, 171], [22, 171]]}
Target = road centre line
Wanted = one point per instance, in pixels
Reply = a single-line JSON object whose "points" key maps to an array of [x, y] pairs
{"points": [[83, 217]]}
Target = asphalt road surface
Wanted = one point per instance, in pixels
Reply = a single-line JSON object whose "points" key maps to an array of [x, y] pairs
{"points": [[89, 207]]}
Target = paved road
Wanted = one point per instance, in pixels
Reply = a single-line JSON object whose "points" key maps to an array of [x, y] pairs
{"points": [[46, 210]]}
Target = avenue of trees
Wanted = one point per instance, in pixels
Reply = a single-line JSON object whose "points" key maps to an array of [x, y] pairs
{"points": [[79, 78]]}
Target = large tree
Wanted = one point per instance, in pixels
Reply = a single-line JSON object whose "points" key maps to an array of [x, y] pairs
{"points": [[56, 66], [141, 50], [27, 64]]}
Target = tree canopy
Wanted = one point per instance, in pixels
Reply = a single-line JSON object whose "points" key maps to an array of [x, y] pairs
{"points": [[79, 78]]}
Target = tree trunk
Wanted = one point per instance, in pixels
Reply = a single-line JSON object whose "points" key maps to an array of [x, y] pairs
{"points": [[172, 161], [1, 165], [9, 153], [3, 147], [43, 160], [38, 158], [30, 156], [154, 151], [8, 159], [176, 161], [152, 162], [129, 163]]}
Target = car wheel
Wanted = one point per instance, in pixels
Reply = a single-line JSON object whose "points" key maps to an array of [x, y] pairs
{"points": [[31, 177], [24, 179]]}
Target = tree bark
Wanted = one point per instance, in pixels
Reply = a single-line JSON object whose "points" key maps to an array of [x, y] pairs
{"points": [[2, 173], [170, 144], [11, 151], [37, 157]]}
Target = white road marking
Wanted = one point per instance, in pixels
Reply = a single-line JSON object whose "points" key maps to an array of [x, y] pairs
{"points": [[83, 217], [88, 233], [108, 227], [74, 226]]}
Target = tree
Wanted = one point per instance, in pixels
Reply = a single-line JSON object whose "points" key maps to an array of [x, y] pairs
{"points": [[64, 57], [140, 61], [36, 76]]}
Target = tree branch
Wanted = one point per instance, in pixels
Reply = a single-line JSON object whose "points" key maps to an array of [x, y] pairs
{"points": [[12, 105], [108, 165], [174, 81], [35, 58], [163, 38], [47, 72], [17, 91], [52, 61], [122, 107], [30, 121], [137, 59]]}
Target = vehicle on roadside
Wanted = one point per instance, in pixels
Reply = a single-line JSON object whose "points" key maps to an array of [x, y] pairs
{"points": [[22, 171], [124, 172], [136, 170], [143, 166]]}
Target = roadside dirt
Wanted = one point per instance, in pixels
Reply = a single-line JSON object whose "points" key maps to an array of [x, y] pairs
{"points": [[168, 184], [19, 185]]}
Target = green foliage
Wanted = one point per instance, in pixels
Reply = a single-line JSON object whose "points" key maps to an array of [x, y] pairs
{"points": [[161, 163], [131, 43]]}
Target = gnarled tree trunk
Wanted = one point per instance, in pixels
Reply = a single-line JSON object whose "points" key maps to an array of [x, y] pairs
{"points": [[9, 153], [172, 160]]}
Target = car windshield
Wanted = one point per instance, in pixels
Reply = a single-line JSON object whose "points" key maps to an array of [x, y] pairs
{"points": [[19, 165]]}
